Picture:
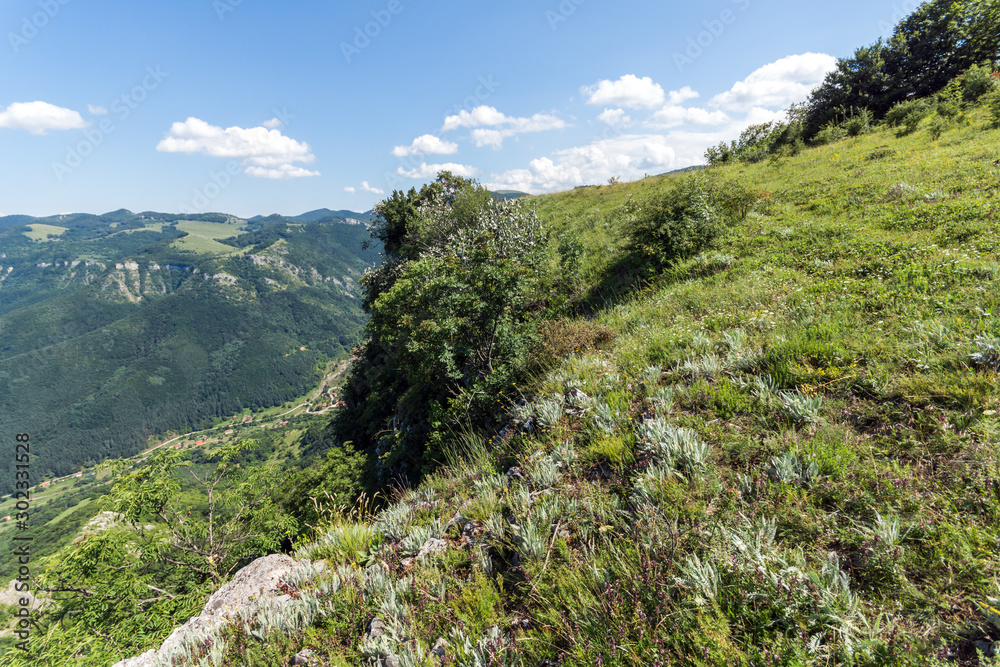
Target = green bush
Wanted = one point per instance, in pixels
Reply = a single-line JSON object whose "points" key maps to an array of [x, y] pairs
{"points": [[937, 127], [909, 113], [829, 134], [678, 224], [976, 82], [992, 103], [859, 123], [736, 200]]}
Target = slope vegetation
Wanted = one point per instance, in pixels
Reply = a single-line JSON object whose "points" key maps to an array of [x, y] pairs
{"points": [[779, 451]]}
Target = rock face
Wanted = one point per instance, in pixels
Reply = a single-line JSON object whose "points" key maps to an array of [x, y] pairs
{"points": [[258, 579]]}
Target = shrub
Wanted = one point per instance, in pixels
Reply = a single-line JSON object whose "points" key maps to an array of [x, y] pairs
{"points": [[908, 114], [859, 123], [937, 127], [992, 103], [976, 82], [679, 224], [736, 200], [830, 133]]}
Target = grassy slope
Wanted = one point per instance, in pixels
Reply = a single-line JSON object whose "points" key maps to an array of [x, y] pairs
{"points": [[847, 506]]}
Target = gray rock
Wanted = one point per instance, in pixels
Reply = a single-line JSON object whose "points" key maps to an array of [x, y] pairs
{"points": [[303, 657], [989, 649], [431, 546], [376, 628], [516, 473], [439, 647], [259, 578], [390, 661]]}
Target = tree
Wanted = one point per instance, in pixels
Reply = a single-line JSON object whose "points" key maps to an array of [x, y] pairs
{"points": [[161, 548], [448, 323], [930, 47]]}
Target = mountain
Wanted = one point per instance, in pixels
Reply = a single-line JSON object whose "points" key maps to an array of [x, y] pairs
{"points": [[509, 194], [119, 326], [326, 215]]}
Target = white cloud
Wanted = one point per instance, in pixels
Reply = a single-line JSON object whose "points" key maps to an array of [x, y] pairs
{"points": [[281, 172], [629, 91], [272, 124], [266, 153], [426, 144], [628, 156], [682, 95], [96, 111], [365, 187], [673, 115], [614, 117], [490, 127], [40, 117], [430, 170], [778, 84], [481, 116]]}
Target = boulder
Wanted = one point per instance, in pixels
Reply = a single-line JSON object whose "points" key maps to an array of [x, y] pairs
{"points": [[259, 578]]}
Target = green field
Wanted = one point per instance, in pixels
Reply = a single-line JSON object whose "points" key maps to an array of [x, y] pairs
{"points": [[204, 237], [40, 232]]}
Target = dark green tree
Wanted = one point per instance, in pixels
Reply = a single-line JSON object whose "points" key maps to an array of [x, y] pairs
{"points": [[448, 325]]}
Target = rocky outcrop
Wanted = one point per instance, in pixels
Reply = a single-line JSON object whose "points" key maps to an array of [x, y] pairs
{"points": [[254, 583]]}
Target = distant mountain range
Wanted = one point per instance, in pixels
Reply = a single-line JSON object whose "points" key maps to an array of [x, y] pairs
{"points": [[326, 215], [119, 326]]}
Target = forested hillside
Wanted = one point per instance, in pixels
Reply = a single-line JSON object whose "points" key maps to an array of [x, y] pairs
{"points": [[117, 327]]}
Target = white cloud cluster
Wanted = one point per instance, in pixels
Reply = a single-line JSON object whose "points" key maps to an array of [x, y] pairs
{"points": [[431, 170], [777, 84], [40, 117], [365, 187], [266, 153], [683, 95], [615, 117], [490, 127], [426, 144], [629, 91], [674, 115], [627, 156]]}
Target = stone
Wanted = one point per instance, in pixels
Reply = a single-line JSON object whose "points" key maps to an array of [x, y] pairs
{"points": [[376, 628], [259, 578], [431, 546], [301, 658], [516, 473], [438, 650], [390, 661]]}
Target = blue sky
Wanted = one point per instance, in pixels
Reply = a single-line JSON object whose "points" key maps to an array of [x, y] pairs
{"points": [[254, 107]]}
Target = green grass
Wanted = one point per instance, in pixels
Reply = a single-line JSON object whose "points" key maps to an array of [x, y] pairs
{"points": [[204, 237], [821, 352], [40, 232]]}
